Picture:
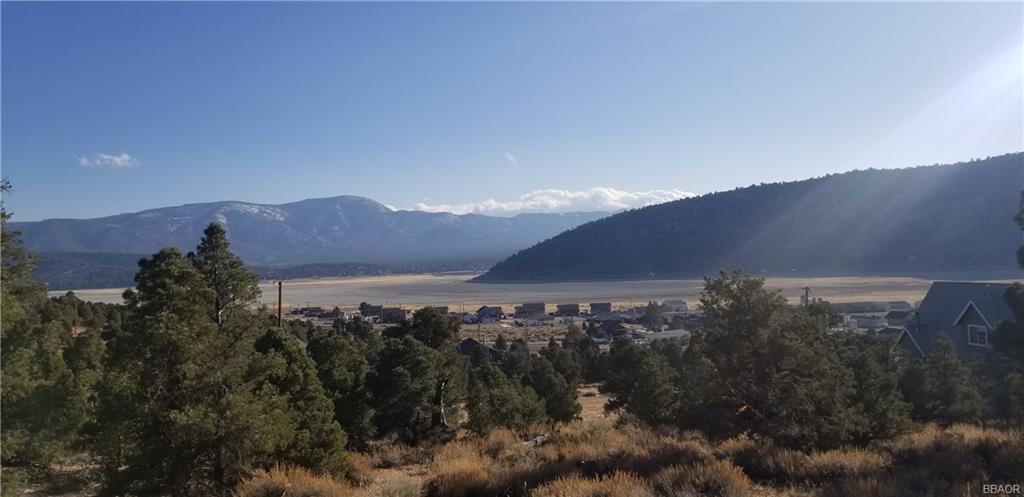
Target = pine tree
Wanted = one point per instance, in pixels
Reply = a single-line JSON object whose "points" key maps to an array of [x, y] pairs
{"points": [[44, 403], [951, 391], [776, 370], [883, 412], [233, 286], [652, 319], [342, 367], [317, 441], [403, 387], [495, 400], [560, 399], [180, 411]]}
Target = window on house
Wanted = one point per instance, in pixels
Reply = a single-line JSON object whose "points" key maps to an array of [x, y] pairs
{"points": [[977, 335]]}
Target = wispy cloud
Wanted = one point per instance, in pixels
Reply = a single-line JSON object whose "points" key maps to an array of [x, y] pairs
{"points": [[552, 200], [511, 158], [101, 160]]}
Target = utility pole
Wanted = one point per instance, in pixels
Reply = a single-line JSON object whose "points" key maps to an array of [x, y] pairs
{"points": [[279, 321]]}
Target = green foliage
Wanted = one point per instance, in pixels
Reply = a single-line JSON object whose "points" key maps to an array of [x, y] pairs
{"points": [[942, 388], [232, 284], [496, 401], [45, 399], [876, 372], [317, 441], [181, 408], [431, 328], [778, 372], [1009, 368], [406, 385], [566, 362], [342, 368], [652, 319], [558, 394]]}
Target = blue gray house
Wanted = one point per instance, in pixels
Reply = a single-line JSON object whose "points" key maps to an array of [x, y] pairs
{"points": [[966, 312]]}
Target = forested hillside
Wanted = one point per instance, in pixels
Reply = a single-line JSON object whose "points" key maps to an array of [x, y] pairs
{"points": [[922, 219]]}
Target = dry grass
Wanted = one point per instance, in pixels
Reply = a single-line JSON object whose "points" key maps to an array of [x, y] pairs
{"points": [[391, 454], [606, 458], [293, 482], [402, 486], [360, 469], [712, 479], [617, 484]]}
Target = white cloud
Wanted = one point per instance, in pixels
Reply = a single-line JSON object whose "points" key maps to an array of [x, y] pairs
{"points": [[511, 158], [101, 160], [552, 200]]}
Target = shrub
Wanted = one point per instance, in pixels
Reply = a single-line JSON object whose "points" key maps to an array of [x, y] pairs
{"points": [[458, 471], [711, 479], [822, 466], [397, 487], [390, 454], [293, 482], [359, 469], [615, 485]]}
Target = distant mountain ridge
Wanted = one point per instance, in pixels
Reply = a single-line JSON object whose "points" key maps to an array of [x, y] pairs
{"points": [[924, 219], [343, 229]]}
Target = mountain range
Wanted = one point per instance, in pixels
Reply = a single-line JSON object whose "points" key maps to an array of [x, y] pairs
{"points": [[948, 218], [344, 229]]}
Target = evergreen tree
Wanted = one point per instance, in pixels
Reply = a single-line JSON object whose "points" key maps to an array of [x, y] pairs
{"points": [[560, 399], [501, 343], [565, 361], [623, 357], [342, 367], [43, 403], [652, 319], [180, 411], [951, 392], [431, 328], [495, 400], [776, 371], [876, 371], [573, 336], [403, 386], [317, 441], [233, 286]]}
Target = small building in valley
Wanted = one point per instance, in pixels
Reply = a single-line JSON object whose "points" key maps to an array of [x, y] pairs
{"points": [[531, 310], [567, 310]]}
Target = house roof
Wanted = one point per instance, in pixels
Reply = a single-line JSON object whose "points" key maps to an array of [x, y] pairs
{"points": [[946, 299], [944, 304], [897, 314], [992, 309]]}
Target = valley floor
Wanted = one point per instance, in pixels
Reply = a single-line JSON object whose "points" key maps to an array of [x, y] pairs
{"points": [[456, 291]]}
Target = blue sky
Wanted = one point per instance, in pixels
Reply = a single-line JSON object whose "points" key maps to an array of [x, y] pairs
{"points": [[117, 107]]}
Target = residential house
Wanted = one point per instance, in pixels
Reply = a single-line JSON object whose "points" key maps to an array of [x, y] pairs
{"points": [[393, 315], [468, 346], [567, 310], [897, 318], [674, 305], [531, 310], [966, 312], [489, 314], [599, 308]]}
